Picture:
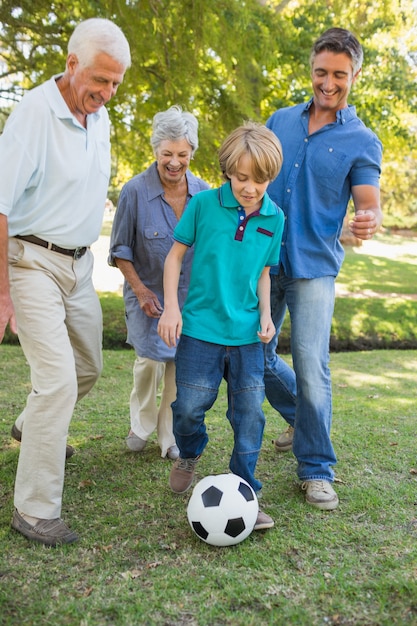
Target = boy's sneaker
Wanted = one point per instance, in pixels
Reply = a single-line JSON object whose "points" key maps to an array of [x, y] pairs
{"points": [[182, 474], [320, 494], [284, 442], [263, 521]]}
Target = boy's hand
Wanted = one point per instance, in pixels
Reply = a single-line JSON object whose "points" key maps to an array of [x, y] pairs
{"points": [[267, 331], [170, 327]]}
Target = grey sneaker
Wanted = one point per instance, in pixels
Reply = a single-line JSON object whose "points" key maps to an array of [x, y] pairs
{"points": [[135, 443], [263, 521], [284, 442], [182, 474], [17, 434], [51, 532], [320, 494], [173, 453]]}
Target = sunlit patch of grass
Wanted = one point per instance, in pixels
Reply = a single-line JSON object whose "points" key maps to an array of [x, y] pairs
{"points": [[138, 561]]}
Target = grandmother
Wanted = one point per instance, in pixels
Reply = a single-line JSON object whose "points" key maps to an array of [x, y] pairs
{"points": [[148, 210]]}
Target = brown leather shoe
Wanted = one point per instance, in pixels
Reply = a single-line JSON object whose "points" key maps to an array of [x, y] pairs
{"points": [[17, 434], [263, 521], [182, 474], [51, 532], [283, 443]]}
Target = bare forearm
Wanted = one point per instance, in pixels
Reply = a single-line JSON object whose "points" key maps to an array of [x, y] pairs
{"points": [[267, 330], [170, 324], [128, 270], [368, 214]]}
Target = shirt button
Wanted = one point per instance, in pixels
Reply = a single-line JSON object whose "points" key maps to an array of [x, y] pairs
{"points": [[330, 149], [306, 140], [296, 165], [155, 233], [288, 190], [241, 228], [241, 217]]}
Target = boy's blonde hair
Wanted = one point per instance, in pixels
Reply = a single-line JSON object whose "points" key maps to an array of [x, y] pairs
{"points": [[260, 143]]}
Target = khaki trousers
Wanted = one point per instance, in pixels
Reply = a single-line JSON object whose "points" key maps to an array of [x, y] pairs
{"points": [[145, 415], [60, 330]]}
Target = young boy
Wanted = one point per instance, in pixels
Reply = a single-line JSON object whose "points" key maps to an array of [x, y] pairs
{"points": [[236, 232]]}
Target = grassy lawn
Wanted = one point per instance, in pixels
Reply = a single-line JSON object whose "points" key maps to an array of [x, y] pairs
{"points": [[138, 561], [376, 306]]}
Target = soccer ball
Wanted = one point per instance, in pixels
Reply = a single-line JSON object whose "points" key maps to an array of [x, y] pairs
{"points": [[222, 509]]}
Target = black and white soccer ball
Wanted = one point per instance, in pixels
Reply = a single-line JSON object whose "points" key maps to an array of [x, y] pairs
{"points": [[222, 509]]}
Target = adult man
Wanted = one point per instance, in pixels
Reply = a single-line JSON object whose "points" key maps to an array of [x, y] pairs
{"points": [[55, 164], [329, 156]]}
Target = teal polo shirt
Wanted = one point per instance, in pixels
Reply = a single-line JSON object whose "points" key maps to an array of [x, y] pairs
{"points": [[230, 252]]}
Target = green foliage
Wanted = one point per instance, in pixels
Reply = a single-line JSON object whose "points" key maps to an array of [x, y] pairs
{"points": [[228, 61]]}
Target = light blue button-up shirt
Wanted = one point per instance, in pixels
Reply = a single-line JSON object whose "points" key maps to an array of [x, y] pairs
{"points": [[143, 234], [54, 172], [315, 183]]}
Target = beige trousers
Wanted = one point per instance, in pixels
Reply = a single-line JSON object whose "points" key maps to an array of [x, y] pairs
{"points": [[60, 330], [145, 415]]}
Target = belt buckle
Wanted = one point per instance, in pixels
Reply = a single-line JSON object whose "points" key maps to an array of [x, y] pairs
{"points": [[78, 252]]}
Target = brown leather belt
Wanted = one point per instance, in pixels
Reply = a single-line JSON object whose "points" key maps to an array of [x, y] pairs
{"points": [[76, 253]]}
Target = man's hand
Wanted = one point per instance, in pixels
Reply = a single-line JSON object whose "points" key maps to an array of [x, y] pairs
{"points": [[7, 316], [364, 224]]}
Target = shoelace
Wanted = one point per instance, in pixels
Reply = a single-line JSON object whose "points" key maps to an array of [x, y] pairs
{"points": [[187, 464], [316, 485]]}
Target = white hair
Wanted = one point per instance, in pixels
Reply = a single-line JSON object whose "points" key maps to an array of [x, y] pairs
{"points": [[174, 124], [98, 35]]}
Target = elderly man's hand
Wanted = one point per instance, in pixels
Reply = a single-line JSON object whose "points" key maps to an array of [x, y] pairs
{"points": [[7, 316]]}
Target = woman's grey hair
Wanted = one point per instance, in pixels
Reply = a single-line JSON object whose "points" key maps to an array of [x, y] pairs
{"points": [[98, 35], [174, 124], [339, 40]]}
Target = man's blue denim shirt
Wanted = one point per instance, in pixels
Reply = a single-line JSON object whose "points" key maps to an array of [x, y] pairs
{"points": [[315, 183]]}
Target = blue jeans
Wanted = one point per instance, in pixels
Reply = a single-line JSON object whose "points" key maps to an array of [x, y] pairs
{"points": [[303, 395], [200, 368]]}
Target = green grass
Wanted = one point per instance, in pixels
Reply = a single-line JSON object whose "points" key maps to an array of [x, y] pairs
{"points": [[380, 308], [383, 317], [138, 562]]}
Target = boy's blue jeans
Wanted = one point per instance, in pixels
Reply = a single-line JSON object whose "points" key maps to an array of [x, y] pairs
{"points": [[200, 367]]}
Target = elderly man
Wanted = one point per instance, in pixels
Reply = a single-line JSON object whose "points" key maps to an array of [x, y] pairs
{"points": [[55, 164]]}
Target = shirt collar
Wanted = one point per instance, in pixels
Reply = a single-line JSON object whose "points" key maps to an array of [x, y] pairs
{"points": [[58, 104], [227, 200], [342, 115], [155, 188]]}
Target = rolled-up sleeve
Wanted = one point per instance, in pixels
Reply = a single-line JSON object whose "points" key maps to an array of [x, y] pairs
{"points": [[123, 230]]}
